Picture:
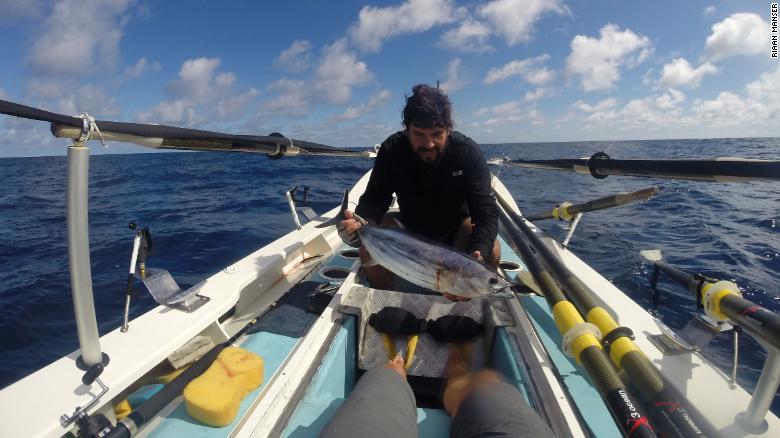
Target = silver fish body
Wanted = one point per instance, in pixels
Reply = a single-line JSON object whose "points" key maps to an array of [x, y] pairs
{"points": [[430, 264]]}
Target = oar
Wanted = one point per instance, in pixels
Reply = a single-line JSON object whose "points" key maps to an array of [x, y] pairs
{"points": [[724, 169], [171, 137], [567, 211], [584, 345], [129, 425], [621, 347], [722, 301]]}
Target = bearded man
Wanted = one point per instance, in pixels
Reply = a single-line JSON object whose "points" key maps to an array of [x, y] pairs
{"points": [[442, 182]]}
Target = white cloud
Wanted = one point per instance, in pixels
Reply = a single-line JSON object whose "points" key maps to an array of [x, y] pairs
{"points": [[602, 105], [196, 79], [232, 107], [89, 99], [670, 99], [170, 111], [535, 95], [758, 105], [679, 73], [3, 95], [79, 37], [709, 10], [141, 67], [739, 34], [199, 90], [654, 112], [539, 76], [292, 98], [376, 24], [754, 109], [454, 80], [295, 58], [529, 68], [470, 36], [353, 112], [48, 88], [597, 61], [508, 113], [338, 71], [515, 20]]}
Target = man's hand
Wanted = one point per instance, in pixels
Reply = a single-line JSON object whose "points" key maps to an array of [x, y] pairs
{"points": [[451, 297], [347, 229]]}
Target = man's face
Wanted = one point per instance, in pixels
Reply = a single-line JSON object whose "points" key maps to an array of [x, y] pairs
{"points": [[427, 143]]}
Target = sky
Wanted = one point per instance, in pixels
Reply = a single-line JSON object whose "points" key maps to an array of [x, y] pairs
{"points": [[337, 72]]}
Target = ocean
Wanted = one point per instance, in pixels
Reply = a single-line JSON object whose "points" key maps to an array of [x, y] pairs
{"points": [[207, 210]]}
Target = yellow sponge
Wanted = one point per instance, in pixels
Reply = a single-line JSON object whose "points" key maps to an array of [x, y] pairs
{"points": [[214, 397]]}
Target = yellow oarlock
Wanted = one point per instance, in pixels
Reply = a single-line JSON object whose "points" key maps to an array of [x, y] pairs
{"points": [[713, 294], [215, 396], [561, 212]]}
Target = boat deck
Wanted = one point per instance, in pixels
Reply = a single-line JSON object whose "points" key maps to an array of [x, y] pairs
{"points": [[281, 330]]}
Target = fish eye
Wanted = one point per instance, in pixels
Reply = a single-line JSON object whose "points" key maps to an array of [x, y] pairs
{"points": [[493, 280]]}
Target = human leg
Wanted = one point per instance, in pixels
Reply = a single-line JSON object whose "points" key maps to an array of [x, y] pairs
{"points": [[381, 405], [482, 404]]}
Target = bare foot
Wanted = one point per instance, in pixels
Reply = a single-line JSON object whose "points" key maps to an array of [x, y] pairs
{"points": [[456, 363], [396, 364]]}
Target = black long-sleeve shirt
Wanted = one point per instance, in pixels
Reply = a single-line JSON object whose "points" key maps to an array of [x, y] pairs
{"points": [[434, 199]]}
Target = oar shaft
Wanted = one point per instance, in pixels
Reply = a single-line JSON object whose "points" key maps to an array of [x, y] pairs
{"points": [[623, 352], [717, 170], [626, 411], [172, 137], [682, 277], [567, 211]]}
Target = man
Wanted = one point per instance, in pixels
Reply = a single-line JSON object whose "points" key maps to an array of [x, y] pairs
{"points": [[441, 180]]}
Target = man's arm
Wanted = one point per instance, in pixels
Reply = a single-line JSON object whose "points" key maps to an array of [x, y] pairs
{"points": [[482, 207], [376, 199]]}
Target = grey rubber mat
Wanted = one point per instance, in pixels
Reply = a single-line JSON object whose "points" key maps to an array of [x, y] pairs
{"points": [[430, 358]]}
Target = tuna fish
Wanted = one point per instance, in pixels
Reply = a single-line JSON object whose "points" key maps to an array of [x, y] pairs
{"points": [[429, 264]]}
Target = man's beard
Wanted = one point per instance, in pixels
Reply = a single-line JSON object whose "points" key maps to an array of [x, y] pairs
{"points": [[429, 163]]}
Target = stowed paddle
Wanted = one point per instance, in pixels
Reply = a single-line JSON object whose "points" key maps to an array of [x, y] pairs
{"points": [[573, 299], [171, 137], [566, 210], [600, 165], [581, 340]]}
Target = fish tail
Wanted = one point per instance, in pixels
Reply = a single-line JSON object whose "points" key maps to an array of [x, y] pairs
{"points": [[340, 217]]}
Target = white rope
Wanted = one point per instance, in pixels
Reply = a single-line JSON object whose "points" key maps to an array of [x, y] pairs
{"points": [[89, 127]]}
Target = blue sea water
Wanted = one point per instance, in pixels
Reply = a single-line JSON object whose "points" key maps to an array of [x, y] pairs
{"points": [[207, 210]]}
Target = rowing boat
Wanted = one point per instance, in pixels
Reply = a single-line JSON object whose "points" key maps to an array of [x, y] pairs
{"points": [[302, 304]]}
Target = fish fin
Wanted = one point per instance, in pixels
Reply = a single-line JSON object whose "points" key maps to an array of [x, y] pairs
{"points": [[339, 217]]}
